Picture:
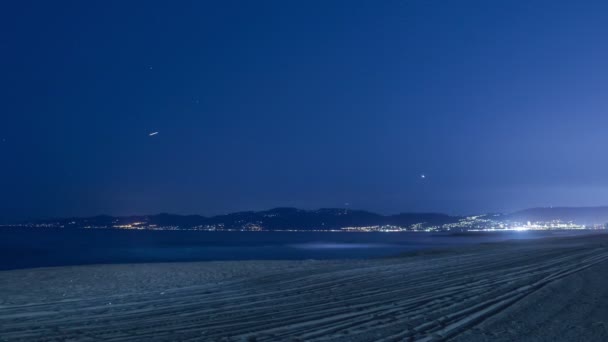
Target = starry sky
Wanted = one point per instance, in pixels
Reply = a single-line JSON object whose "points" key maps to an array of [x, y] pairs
{"points": [[501, 105]]}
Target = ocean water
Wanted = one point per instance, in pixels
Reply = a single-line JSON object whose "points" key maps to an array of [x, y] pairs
{"points": [[27, 248]]}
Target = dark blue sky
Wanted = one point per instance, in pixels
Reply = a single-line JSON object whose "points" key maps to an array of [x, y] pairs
{"points": [[501, 104]]}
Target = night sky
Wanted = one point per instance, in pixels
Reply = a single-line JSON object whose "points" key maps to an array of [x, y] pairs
{"points": [[501, 105]]}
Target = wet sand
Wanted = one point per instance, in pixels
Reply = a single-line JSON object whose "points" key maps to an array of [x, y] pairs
{"points": [[541, 290]]}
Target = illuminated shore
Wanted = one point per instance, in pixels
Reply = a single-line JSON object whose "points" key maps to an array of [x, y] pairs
{"points": [[541, 290]]}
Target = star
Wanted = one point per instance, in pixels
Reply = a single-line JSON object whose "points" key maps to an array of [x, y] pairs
{"points": [[423, 176]]}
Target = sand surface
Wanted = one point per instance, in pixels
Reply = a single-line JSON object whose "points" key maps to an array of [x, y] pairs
{"points": [[542, 290]]}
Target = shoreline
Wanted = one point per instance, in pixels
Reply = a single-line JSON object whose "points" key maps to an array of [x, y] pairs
{"points": [[466, 293], [21, 249]]}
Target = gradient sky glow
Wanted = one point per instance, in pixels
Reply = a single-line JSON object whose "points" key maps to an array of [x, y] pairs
{"points": [[501, 105]]}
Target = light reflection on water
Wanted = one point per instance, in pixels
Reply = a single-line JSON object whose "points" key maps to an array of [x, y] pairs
{"points": [[327, 245]]}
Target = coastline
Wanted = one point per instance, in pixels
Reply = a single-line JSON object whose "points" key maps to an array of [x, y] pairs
{"points": [[34, 248], [489, 291]]}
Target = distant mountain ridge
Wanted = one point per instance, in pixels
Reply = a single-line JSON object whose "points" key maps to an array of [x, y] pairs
{"points": [[327, 219], [273, 219]]}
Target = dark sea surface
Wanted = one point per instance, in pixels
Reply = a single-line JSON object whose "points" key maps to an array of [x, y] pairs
{"points": [[28, 247]]}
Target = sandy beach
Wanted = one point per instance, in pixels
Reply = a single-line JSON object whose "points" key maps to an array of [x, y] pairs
{"points": [[540, 290]]}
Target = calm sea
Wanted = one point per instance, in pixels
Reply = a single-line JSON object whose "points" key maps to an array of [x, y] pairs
{"points": [[26, 248]]}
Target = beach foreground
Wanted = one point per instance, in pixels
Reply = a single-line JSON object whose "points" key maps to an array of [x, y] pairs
{"points": [[540, 290]]}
